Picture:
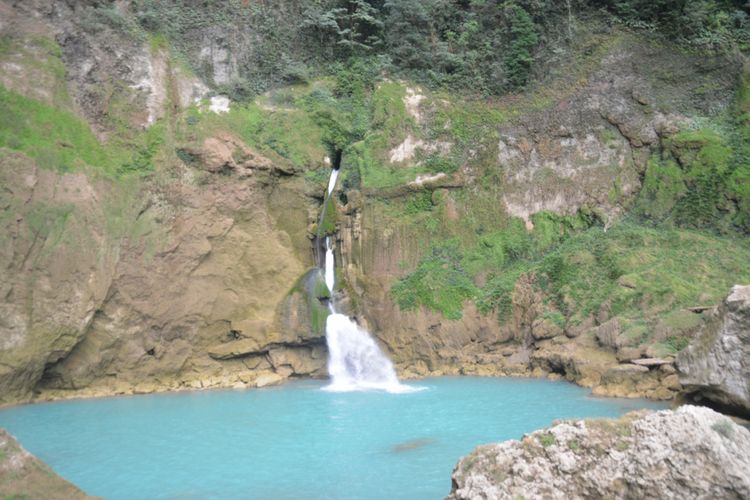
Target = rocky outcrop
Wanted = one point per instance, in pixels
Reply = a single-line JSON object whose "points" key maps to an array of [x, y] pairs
{"points": [[57, 262], [691, 452], [109, 70], [589, 148], [22, 475], [192, 294], [110, 290], [716, 364]]}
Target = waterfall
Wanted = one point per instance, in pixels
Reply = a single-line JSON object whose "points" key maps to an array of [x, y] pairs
{"points": [[332, 181], [355, 362], [330, 271]]}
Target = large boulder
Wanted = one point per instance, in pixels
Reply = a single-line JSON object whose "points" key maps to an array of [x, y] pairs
{"points": [[716, 364], [692, 452]]}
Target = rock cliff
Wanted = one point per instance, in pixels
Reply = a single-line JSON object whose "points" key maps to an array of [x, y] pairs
{"points": [[690, 452], [148, 243], [716, 364]]}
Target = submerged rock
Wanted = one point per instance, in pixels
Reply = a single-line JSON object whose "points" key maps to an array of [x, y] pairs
{"points": [[716, 365], [692, 452], [22, 475]]}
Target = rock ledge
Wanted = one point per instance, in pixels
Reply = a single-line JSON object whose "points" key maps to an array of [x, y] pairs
{"points": [[692, 452]]}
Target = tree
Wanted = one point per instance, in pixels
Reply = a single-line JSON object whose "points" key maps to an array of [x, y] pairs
{"points": [[519, 57]]}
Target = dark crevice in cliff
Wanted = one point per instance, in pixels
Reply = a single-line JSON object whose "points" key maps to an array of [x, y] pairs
{"points": [[337, 156], [704, 397]]}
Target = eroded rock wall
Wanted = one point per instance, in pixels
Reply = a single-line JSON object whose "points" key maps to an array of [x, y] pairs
{"points": [[113, 292]]}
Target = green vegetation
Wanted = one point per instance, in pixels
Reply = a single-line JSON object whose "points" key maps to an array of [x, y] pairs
{"points": [[56, 139], [518, 59], [321, 290], [445, 279], [547, 439], [328, 220], [479, 46], [641, 273], [708, 24], [439, 283], [662, 269], [282, 132], [702, 177], [59, 140]]}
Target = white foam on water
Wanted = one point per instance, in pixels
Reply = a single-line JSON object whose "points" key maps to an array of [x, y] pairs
{"points": [[355, 362]]}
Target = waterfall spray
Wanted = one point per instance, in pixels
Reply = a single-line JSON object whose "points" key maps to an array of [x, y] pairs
{"points": [[355, 362]]}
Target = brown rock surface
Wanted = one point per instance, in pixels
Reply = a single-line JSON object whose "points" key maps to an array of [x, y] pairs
{"points": [[22, 475], [137, 285]]}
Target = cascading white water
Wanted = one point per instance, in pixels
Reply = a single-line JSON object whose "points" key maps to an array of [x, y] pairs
{"points": [[332, 180], [355, 362], [330, 273]]}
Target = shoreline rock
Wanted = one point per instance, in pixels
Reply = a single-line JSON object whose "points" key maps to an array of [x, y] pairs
{"points": [[691, 452], [22, 475]]}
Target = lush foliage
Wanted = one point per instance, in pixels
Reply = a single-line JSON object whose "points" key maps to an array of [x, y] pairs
{"points": [[483, 46], [711, 24], [701, 179], [446, 277]]}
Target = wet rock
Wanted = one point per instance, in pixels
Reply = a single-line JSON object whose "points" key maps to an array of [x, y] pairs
{"points": [[692, 452], [267, 379]]}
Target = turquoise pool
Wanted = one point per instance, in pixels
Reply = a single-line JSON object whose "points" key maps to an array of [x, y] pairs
{"points": [[291, 441]]}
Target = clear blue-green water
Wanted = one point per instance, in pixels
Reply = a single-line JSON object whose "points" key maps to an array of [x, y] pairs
{"points": [[292, 441]]}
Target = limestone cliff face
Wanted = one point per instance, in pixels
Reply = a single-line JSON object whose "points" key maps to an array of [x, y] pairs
{"points": [[56, 266], [107, 69], [691, 452], [171, 285], [216, 271], [186, 278], [716, 365]]}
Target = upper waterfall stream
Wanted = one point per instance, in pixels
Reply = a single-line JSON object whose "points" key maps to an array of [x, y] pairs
{"points": [[355, 362]]}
